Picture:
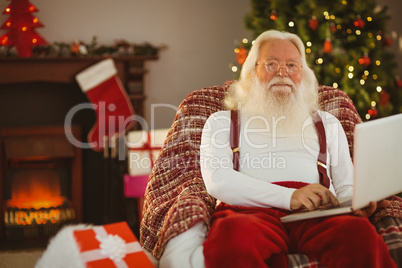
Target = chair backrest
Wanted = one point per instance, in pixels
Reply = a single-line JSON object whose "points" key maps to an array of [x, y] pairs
{"points": [[338, 103], [175, 188]]}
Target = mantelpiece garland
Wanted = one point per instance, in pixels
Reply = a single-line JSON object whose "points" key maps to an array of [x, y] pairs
{"points": [[79, 48]]}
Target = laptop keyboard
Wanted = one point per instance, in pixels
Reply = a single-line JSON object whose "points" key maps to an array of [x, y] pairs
{"points": [[346, 203]]}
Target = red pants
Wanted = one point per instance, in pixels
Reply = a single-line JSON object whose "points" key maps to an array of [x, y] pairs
{"points": [[255, 237]]}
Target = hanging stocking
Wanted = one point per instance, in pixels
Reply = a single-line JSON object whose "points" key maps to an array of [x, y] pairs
{"points": [[114, 110]]}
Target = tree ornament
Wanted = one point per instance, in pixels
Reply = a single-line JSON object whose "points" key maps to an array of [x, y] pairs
{"points": [[313, 23], [20, 26], [359, 22], [327, 45], [241, 55], [365, 60], [273, 16], [386, 41], [384, 98], [333, 27], [398, 82], [373, 112]]}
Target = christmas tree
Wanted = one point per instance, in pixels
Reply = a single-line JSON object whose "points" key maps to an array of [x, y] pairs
{"points": [[346, 45], [20, 28]]}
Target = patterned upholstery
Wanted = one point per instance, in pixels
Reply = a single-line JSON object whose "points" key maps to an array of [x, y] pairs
{"points": [[337, 103], [176, 198]]}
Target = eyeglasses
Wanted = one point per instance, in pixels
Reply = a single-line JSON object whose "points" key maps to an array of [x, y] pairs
{"points": [[273, 67]]}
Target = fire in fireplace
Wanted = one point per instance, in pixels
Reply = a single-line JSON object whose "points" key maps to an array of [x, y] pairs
{"points": [[41, 179], [35, 189], [37, 199]]}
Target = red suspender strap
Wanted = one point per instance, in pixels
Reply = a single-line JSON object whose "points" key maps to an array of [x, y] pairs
{"points": [[235, 137], [322, 156]]}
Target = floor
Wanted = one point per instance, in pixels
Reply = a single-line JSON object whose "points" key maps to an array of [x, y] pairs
{"points": [[19, 258]]}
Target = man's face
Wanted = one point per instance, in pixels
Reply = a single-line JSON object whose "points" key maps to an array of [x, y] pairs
{"points": [[285, 53]]}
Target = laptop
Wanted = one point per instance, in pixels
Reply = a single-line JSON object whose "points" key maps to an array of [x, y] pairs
{"points": [[377, 161]]}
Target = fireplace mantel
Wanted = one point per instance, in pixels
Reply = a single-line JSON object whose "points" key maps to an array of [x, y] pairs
{"points": [[130, 69], [58, 69]]}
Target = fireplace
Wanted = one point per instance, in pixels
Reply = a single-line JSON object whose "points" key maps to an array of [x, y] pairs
{"points": [[35, 95], [41, 178]]}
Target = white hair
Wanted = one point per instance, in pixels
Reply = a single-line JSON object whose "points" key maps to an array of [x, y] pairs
{"points": [[240, 89]]}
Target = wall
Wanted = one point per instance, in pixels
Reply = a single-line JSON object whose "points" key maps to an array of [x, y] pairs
{"points": [[200, 37]]}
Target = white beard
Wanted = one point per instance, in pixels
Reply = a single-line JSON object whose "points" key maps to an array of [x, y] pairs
{"points": [[280, 103]]}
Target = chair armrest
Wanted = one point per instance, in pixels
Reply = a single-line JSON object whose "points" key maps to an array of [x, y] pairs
{"points": [[393, 210]]}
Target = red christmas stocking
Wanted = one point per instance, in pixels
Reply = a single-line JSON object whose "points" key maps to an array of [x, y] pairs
{"points": [[114, 111]]}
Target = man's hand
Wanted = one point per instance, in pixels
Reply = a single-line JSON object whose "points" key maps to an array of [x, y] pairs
{"points": [[313, 196], [368, 211]]}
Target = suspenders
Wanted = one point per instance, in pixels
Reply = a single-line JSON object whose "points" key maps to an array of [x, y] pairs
{"points": [[322, 156], [235, 137]]}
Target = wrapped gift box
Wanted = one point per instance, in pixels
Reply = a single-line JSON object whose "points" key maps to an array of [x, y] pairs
{"points": [[111, 245], [134, 186], [144, 148]]}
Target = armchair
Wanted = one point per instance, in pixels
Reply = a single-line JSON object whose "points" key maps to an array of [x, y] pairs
{"points": [[176, 198]]}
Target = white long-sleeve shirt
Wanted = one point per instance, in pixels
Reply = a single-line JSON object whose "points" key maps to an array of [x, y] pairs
{"points": [[267, 157]]}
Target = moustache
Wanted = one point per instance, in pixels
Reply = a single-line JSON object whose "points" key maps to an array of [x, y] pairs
{"points": [[281, 81]]}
